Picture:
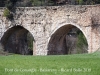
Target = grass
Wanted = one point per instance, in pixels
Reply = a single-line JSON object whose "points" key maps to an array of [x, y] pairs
{"points": [[78, 64]]}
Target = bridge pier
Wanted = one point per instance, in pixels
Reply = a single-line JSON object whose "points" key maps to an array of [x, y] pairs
{"points": [[40, 47], [93, 40]]}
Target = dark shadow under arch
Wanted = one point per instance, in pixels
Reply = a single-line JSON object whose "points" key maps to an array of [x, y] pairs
{"points": [[17, 40], [64, 40]]}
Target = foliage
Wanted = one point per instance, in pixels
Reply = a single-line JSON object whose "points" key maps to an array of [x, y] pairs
{"points": [[81, 43], [81, 2], [6, 13], [30, 41], [41, 2], [9, 5], [36, 2]]}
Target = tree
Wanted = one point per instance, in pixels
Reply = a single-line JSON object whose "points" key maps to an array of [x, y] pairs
{"points": [[81, 2]]}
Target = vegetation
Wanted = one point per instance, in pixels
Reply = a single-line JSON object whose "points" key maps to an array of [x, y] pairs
{"points": [[9, 6], [10, 3], [76, 42], [6, 13], [81, 2], [30, 41], [81, 64], [81, 43]]}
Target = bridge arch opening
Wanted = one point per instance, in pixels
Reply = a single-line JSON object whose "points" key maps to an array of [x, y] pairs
{"points": [[67, 39], [18, 40]]}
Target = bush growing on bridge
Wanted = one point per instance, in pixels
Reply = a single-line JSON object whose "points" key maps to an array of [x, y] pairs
{"points": [[7, 14]]}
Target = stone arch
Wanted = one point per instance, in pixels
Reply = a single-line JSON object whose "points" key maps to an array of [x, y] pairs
{"points": [[15, 40], [58, 39]]}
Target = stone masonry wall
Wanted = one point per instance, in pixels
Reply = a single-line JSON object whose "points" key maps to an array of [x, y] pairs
{"points": [[42, 22]]}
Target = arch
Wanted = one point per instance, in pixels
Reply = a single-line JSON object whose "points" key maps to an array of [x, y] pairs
{"points": [[65, 24], [59, 39], [15, 40]]}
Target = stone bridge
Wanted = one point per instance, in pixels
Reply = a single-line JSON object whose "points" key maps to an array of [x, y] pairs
{"points": [[48, 24]]}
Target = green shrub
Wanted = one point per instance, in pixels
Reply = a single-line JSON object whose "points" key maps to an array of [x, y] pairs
{"points": [[6, 13]]}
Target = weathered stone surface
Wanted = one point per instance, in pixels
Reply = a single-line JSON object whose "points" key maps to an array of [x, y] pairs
{"points": [[42, 22]]}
